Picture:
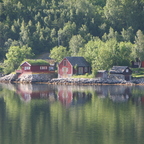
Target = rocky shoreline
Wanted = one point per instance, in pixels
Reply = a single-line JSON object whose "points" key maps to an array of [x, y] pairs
{"points": [[48, 79]]}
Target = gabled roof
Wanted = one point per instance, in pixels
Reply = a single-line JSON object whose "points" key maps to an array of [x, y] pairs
{"points": [[118, 69], [79, 61], [25, 63]]}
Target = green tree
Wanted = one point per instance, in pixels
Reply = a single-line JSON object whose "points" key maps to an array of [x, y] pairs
{"points": [[65, 34], [127, 35], [75, 43], [89, 51], [58, 53], [138, 49], [15, 56], [124, 13], [124, 55]]}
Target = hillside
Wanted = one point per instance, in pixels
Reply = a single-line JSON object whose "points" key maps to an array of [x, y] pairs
{"points": [[99, 30]]}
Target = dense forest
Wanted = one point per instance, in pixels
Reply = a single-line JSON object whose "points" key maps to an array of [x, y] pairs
{"points": [[105, 32]]}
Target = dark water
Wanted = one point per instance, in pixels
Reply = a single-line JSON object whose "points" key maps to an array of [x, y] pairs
{"points": [[42, 114]]}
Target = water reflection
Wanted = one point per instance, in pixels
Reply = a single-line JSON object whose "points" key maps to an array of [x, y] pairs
{"points": [[70, 96], [42, 114], [121, 93], [35, 91], [67, 95], [77, 95]]}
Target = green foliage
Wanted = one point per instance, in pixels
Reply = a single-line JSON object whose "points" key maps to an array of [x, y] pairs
{"points": [[75, 43], [36, 62], [74, 24], [109, 53], [138, 49], [58, 53], [15, 56], [1, 68]]}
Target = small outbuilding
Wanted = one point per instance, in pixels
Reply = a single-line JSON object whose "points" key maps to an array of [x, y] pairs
{"points": [[121, 72], [73, 66], [102, 74]]}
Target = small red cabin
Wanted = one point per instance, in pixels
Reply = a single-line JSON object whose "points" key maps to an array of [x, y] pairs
{"points": [[73, 65], [35, 67]]}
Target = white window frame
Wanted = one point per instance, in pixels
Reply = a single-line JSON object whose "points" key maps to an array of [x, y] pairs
{"points": [[43, 67], [27, 68]]}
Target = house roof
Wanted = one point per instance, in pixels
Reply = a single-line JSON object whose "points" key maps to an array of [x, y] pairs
{"points": [[118, 69], [79, 61], [31, 62]]}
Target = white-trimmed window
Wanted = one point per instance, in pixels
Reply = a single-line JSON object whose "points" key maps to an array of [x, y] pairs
{"points": [[85, 69], [27, 68], [43, 67]]}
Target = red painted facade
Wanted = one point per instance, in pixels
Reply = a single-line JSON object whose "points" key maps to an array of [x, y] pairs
{"points": [[66, 69], [26, 67]]}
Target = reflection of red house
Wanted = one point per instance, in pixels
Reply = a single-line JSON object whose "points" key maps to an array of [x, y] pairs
{"points": [[73, 65], [29, 92], [65, 96], [68, 97], [38, 68]]}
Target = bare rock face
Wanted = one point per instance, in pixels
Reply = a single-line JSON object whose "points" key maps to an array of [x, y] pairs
{"points": [[27, 78], [8, 78]]}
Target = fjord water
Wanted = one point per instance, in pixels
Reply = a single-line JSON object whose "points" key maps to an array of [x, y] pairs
{"points": [[43, 114]]}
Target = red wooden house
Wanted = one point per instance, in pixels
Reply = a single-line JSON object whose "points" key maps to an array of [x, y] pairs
{"points": [[73, 66], [29, 66]]}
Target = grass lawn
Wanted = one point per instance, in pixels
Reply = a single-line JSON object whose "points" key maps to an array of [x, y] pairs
{"points": [[83, 76], [138, 72]]}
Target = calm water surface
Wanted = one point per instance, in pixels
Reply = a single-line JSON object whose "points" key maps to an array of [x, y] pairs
{"points": [[43, 114]]}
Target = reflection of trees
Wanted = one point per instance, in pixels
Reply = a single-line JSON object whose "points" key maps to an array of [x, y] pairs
{"points": [[98, 121]]}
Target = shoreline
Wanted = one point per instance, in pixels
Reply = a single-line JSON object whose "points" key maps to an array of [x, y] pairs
{"points": [[46, 79]]}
